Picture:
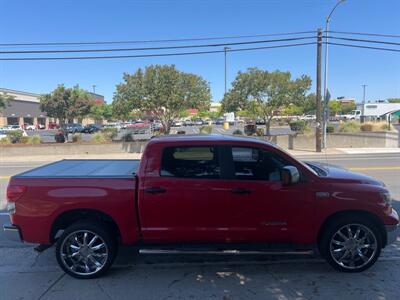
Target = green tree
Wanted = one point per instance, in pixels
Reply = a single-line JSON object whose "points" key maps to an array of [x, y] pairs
{"points": [[163, 91], [4, 100], [393, 100], [268, 93], [66, 103], [335, 107], [101, 111]]}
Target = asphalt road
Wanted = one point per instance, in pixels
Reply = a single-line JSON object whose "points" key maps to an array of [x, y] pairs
{"points": [[27, 275]]}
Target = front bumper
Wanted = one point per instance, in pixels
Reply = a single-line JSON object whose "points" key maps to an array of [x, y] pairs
{"points": [[392, 232], [12, 232]]}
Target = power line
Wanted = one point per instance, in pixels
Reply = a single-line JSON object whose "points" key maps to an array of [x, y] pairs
{"points": [[150, 55], [364, 41], [155, 48], [155, 41], [364, 47], [367, 34]]}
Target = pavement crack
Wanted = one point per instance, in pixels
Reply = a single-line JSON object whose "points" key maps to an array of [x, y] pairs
{"points": [[103, 290], [51, 286]]}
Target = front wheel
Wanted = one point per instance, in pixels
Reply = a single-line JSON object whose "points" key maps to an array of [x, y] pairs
{"points": [[351, 244], [86, 250]]}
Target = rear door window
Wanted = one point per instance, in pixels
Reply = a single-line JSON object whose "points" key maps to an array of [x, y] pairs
{"points": [[191, 162]]}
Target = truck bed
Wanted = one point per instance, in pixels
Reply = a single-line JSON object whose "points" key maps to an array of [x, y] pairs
{"points": [[87, 168]]}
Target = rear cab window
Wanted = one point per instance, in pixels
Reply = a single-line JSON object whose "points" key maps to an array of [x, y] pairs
{"points": [[191, 162]]}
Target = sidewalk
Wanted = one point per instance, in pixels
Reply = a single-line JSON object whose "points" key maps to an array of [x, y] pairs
{"points": [[331, 151]]}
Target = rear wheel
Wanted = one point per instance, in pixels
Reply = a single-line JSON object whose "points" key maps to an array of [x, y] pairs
{"points": [[86, 250], [351, 244]]}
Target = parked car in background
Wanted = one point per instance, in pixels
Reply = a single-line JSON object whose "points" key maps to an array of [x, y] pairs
{"points": [[260, 121], [41, 126], [219, 121], [74, 128], [177, 123], [353, 115], [308, 118], [53, 125], [3, 133], [188, 122], [29, 127], [198, 122], [118, 126], [185, 189], [91, 128]]}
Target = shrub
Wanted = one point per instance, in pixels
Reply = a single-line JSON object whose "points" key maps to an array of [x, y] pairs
{"points": [[298, 126], [237, 132], [23, 140], [385, 127], [260, 132], [351, 126], [98, 137], [35, 139], [330, 129], [367, 127], [110, 133], [5, 141], [205, 129], [76, 137], [14, 135]]}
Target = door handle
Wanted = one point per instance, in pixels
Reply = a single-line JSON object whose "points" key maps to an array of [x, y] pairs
{"points": [[155, 190], [241, 191]]}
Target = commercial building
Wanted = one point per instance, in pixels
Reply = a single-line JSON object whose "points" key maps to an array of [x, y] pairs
{"points": [[24, 108]]}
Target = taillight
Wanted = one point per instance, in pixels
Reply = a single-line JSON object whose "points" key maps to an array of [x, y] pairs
{"points": [[14, 192]]}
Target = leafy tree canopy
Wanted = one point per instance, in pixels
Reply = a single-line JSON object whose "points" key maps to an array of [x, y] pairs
{"points": [[163, 91], [265, 94], [66, 103], [4, 100]]}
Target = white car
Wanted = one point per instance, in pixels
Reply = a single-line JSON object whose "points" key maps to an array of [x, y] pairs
{"points": [[308, 118], [177, 124], [30, 127]]}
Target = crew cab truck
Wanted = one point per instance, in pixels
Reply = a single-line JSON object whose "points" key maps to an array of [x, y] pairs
{"points": [[200, 192]]}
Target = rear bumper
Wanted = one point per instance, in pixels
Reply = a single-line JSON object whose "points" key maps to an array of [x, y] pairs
{"points": [[12, 232], [392, 232]]}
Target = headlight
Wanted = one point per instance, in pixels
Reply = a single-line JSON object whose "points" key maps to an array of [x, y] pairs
{"points": [[386, 198], [10, 208]]}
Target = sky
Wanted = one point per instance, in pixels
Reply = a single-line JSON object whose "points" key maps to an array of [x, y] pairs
{"points": [[99, 20]]}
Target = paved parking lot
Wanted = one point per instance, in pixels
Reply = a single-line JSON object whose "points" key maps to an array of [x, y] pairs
{"points": [[27, 275], [47, 136]]}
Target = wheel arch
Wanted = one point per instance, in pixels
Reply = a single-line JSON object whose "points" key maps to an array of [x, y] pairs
{"points": [[69, 217], [352, 213]]}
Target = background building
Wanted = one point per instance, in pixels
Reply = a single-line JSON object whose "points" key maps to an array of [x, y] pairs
{"points": [[25, 109]]}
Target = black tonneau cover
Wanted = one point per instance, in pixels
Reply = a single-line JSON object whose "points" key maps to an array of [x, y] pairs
{"points": [[85, 168]]}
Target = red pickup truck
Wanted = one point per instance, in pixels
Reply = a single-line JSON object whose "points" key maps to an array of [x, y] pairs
{"points": [[200, 192]]}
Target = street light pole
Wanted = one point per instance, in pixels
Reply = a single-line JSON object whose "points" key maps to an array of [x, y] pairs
{"points": [[225, 49], [325, 110]]}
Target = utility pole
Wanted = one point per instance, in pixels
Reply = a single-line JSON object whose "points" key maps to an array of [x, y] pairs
{"points": [[94, 88], [362, 118], [318, 140], [225, 49]]}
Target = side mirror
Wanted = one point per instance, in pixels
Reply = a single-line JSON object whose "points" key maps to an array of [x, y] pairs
{"points": [[290, 175]]}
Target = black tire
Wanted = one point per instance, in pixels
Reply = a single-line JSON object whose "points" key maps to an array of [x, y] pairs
{"points": [[331, 234], [106, 254]]}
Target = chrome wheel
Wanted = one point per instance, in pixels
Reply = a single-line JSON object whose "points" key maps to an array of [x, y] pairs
{"points": [[353, 246], [84, 253]]}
